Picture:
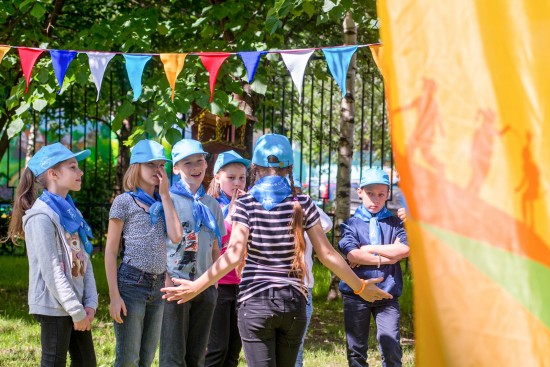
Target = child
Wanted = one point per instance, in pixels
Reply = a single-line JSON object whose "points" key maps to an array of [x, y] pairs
{"points": [[185, 327], [143, 217], [62, 289], [373, 241], [326, 224], [269, 221], [224, 344]]}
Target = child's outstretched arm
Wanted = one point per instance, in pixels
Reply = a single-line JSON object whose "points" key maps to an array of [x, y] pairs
{"points": [[187, 290], [173, 225], [331, 259], [114, 233]]}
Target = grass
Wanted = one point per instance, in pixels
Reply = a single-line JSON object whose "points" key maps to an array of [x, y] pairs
{"points": [[325, 340]]}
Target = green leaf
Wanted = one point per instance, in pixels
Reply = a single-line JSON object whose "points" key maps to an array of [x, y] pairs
{"points": [[216, 108], [38, 11], [39, 104], [163, 29], [15, 127], [25, 4], [22, 108], [173, 135], [43, 75], [198, 22], [259, 86], [238, 118], [272, 23], [328, 5], [309, 9], [123, 112], [137, 135]]}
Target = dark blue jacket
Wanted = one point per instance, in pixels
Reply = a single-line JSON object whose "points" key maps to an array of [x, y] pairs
{"points": [[355, 232]]}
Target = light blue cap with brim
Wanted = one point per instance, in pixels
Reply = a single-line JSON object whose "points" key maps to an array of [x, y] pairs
{"points": [[273, 145], [185, 148], [229, 157], [50, 155], [374, 176], [147, 151]]}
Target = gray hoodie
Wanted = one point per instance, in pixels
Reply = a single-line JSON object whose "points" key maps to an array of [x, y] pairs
{"points": [[53, 291]]}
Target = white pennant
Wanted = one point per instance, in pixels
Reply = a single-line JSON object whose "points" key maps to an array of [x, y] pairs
{"points": [[98, 63], [296, 62]]}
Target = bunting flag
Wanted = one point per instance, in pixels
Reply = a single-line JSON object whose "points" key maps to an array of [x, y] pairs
{"points": [[28, 57], [212, 62], [479, 233], [134, 67], [173, 65], [61, 61], [98, 63], [296, 63], [3, 50], [376, 51], [251, 60], [338, 60]]}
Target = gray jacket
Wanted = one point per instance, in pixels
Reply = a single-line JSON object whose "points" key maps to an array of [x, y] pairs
{"points": [[53, 291]]}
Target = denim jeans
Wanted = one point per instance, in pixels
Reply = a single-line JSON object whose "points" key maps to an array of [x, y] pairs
{"points": [[58, 336], [357, 314], [185, 330], [309, 312], [138, 336], [272, 325], [224, 344]]}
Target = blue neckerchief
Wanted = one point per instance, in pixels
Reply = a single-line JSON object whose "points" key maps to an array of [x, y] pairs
{"points": [[201, 213], [270, 191], [375, 236], [71, 220], [224, 203], [156, 210]]}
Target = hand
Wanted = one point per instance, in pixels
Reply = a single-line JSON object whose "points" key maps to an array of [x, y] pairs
{"points": [[90, 313], [372, 293], [117, 305], [182, 291], [164, 188], [397, 241], [82, 325], [402, 214]]}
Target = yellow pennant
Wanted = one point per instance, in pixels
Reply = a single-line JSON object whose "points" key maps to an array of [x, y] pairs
{"points": [[173, 65]]}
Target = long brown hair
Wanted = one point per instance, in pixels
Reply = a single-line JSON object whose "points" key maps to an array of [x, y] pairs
{"points": [[25, 196], [297, 222]]}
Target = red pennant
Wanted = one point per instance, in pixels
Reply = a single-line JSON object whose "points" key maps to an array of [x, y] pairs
{"points": [[28, 57], [212, 62]]}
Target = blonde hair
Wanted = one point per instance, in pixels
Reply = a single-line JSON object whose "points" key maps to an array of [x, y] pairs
{"points": [[297, 222], [130, 182]]}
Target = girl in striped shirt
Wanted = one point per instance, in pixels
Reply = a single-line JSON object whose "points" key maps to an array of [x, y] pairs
{"points": [[269, 224]]}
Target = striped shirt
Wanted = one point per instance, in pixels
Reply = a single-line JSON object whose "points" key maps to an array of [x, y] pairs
{"points": [[270, 243]]}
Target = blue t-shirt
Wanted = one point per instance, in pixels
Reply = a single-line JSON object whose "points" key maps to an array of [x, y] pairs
{"points": [[355, 233]]}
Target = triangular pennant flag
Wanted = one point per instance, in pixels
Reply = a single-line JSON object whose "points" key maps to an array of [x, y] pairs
{"points": [[376, 51], [212, 62], [173, 65], [98, 63], [251, 60], [134, 67], [61, 61], [296, 62], [338, 60], [3, 50], [28, 57]]}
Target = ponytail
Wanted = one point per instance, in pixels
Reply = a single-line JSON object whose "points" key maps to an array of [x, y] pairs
{"points": [[24, 199], [297, 228]]}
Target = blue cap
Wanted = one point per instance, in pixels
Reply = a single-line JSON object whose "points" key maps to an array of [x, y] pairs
{"points": [[50, 155], [375, 176], [147, 151], [226, 158], [273, 145], [186, 147]]}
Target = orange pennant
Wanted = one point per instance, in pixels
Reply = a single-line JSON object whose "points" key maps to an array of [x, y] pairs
{"points": [[3, 50], [376, 51], [173, 65]]}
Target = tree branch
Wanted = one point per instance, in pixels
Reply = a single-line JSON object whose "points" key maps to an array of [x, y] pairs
{"points": [[50, 22]]}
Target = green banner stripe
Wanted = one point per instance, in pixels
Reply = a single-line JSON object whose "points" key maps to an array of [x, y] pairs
{"points": [[527, 280]]}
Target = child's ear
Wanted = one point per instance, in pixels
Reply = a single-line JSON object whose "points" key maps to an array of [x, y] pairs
{"points": [[359, 192]]}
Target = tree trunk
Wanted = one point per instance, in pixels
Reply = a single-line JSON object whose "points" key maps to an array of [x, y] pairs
{"points": [[345, 147]]}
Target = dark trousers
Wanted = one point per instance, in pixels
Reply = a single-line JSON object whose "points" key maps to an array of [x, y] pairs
{"points": [[185, 329], [272, 325], [58, 337], [224, 344], [357, 314]]}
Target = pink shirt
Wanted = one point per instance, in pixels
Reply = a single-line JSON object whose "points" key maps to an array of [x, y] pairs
{"points": [[231, 277]]}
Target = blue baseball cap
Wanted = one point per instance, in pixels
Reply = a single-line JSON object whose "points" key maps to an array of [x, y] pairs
{"points": [[147, 151], [226, 158], [273, 145], [186, 147], [374, 176], [50, 155]]}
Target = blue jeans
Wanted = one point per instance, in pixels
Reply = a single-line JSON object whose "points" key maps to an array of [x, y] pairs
{"points": [[224, 345], [58, 336], [309, 312], [272, 325], [138, 336], [185, 330], [357, 314]]}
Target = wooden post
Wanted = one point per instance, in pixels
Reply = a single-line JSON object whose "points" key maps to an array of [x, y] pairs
{"points": [[345, 146]]}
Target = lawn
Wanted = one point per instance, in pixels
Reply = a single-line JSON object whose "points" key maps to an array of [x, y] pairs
{"points": [[325, 341]]}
